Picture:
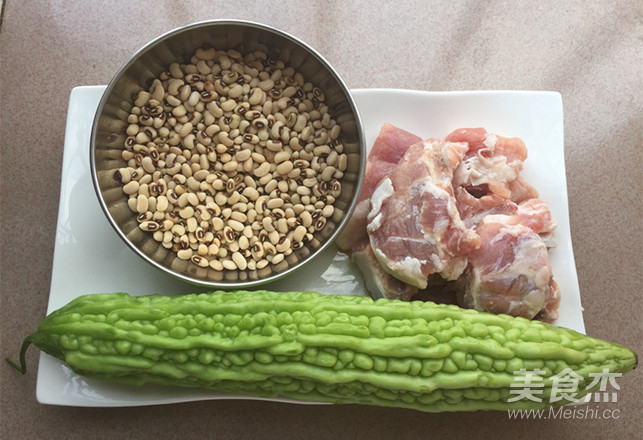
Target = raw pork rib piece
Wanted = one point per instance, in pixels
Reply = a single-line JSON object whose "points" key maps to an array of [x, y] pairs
{"points": [[387, 150], [414, 226], [510, 271], [492, 163]]}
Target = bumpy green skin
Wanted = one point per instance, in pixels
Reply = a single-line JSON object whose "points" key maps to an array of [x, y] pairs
{"points": [[307, 346]]}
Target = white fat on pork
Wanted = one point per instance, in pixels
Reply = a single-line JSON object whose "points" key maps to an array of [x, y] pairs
{"points": [[383, 191]]}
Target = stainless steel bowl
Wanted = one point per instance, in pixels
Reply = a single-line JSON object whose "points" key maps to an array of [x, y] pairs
{"points": [[108, 136]]}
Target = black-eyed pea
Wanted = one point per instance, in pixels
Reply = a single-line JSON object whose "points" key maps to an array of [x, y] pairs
{"points": [[251, 193], [185, 254], [262, 170], [320, 223], [228, 264], [282, 244], [328, 173], [183, 201], [277, 213], [145, 179], [131, 187], [226, 212], [303, 190], [238, 216], [158, 236], [257, 251], [269, 249], [236, 226], [142, 203], [244, 243], [278, 258], [178, 230], [274, 203], [229, 235], [186, 212], [212, 208], [299, 233], [218, 184], [284, 168], [328, 210], [223, 252], [234, 198], [233, 247], [335, 188], [158, 216], [316, 192], [185, 91], [131, 203], [213, 249], [294, 143], [274, 237], [257, 96], [251, 215], [194, 98], [202, 249], [166, 226], [334, 132], [220, 199], [191, 224], [199, 260], [268, 224], [282, 156], [202, 212], [306, 218], [143, 217], [292, 222], [285, 186], [260, 204], [193, 184], [241, 205], [270, 186], [216, 264], [235, 91], [243, 155], [282, 225], [239, 260], [167, 237]]}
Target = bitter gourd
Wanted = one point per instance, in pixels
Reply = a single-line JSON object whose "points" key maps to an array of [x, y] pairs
{"points": [[327, 348]]}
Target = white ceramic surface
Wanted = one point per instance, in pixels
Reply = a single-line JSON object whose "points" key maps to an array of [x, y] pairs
{"points": [[90, 258]]}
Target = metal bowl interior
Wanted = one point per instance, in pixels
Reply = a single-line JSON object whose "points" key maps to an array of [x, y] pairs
{"points": [[108, 135]]}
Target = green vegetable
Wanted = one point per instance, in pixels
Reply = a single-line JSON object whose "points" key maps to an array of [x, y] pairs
{"points": [[307, 346]]}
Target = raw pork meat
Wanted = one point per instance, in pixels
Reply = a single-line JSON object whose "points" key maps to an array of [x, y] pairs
{"points": [[453, 221], [414, 225], [510, 271], [492, 163], [387, 150]]}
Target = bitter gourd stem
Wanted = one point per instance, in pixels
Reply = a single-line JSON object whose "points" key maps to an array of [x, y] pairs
{"points": [[23, 350]]}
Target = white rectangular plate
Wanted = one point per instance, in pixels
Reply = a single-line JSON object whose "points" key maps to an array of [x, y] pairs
{"points": [[90, 258]]}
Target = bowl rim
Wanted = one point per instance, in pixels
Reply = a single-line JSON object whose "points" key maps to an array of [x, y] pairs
{"points": [[275, 275]]}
